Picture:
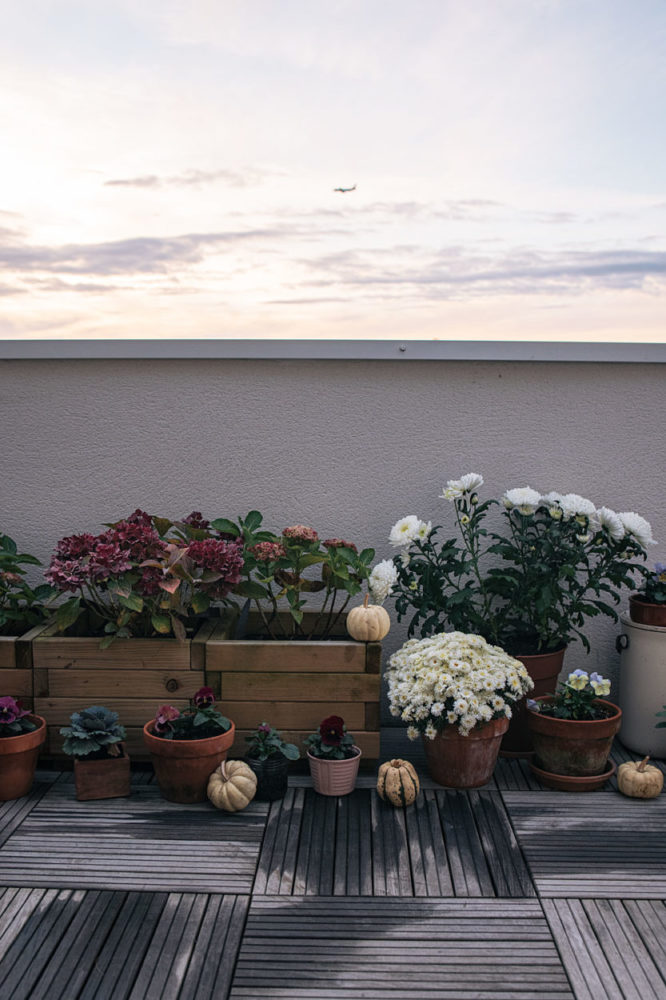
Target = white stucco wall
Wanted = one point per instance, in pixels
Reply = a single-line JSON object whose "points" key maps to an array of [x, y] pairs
{"points": [[346, 446]]}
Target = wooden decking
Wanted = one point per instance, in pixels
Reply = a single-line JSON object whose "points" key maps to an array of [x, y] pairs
{"points": [[509, 892]]}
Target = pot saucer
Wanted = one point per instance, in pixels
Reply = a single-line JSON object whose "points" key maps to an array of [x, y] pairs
{"points": [[571, 783]]}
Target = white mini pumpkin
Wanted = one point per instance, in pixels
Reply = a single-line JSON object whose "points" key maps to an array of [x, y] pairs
{"points": [[232, 786], [639, 780], [368, 622]]}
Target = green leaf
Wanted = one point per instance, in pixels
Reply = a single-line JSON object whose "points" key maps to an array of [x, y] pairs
{"points": [[132, 603], [8, 544], [200, 602], [248, 588], [223, 524], [162, 525], [253, 520], [366, 556], [68, 613], [161, 624]]}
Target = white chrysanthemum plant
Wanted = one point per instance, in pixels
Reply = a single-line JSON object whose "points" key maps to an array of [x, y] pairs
{"points": [[453, 679], [524, 571]]}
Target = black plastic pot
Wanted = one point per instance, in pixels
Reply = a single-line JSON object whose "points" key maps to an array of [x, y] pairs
{"points": [[272, 776]]}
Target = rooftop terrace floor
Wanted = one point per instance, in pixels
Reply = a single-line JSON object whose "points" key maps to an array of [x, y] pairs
{"points": [[509, 891]]}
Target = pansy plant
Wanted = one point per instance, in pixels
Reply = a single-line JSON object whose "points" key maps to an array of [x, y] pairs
{"points": [[198, 722], [576, 698], [14, 719], [331, 741]]}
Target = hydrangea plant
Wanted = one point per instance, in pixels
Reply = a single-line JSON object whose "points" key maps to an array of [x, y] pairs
{"points": [[331, 741], [21, 606], [198, 722], [287, 569], [453, 679], [526, 582], [14, 719], [144, 575], [575, 698]]}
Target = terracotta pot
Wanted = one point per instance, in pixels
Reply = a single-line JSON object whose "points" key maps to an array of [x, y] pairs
{"points": [[544, 669], [102, 779], [334, 777], [272, 776], [183, 767], [465, 761], [569, 746], [647, 613], [18, 760]]}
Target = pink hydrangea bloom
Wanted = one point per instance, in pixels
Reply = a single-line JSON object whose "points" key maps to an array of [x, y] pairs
{"points": [[300, 533], [268, 551], [338, 543]]}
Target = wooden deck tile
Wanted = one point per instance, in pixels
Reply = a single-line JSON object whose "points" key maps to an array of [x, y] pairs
{"points": [[403, 949], [97, 945], [593, 844], [140, 843], [611, 948], [448, 843], [13, 813]]}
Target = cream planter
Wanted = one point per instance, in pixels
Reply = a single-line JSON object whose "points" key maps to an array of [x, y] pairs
{"points": [[642, 651]]}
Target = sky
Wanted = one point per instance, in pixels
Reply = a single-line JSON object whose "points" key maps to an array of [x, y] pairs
{"points": [[167, 169]]}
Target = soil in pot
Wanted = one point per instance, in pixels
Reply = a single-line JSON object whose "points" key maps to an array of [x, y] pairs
{"points": [[183, 767], [272, 776], [457, 761], [18, 760], [575, 747]]}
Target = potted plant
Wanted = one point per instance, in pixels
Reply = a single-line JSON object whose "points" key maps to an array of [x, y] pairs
{"points": [[573, 732], [525, 572], [23, 612], [101, 766], [290, 647], [333, 757], [138, 608], [648, 604], [21, 736], [268, 755], [186, 747], [457, 692]]}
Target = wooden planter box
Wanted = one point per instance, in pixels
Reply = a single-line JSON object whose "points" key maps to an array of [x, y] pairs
{"points": [[295, 684], [16, 665], [132, 677]]}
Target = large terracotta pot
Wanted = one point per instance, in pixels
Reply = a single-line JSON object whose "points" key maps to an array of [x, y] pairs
{"points": [[544, 669], [183, 767], [334, 777], [646, 613], [465, 761], [569, 746], [18, 760]]}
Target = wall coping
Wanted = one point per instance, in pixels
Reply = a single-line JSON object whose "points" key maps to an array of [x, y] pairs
{"points": [[333, 350]]}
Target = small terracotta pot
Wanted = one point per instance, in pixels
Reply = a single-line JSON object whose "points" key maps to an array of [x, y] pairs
{"points": [[102, 779], [18, 760], [457, 761], [544, 669], [334, 777], [646, 613], [272, 776], [570, 746], [183, 767]]}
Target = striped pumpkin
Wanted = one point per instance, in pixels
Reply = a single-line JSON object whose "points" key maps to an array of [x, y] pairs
{"points": [[397, 782]]}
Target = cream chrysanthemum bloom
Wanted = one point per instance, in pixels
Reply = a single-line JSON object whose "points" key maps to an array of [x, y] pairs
{"points": [[523, 499], [456, 488], [382, 580], [637, 527], [574, 505], [612, 522], [407, 530]]}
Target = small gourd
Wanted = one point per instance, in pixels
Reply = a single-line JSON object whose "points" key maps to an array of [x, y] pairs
{"points": [[368, 622], [397, 782], [232, 786], [639, 780]]}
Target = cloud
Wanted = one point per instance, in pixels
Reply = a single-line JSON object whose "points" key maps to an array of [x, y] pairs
{"points": [[248, 177]]}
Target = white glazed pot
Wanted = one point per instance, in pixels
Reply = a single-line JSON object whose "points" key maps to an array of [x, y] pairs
{"points": [[642, 686]]}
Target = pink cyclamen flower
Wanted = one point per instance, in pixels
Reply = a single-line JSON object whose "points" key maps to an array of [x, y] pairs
{"points": [[165, 715], [267, 551], [204, 697], [301, 533], [338, 543]]}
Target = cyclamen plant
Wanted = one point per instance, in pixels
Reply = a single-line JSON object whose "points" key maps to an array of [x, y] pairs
{"points": [[198, 722], [265, 742], [94, 733], [21, 606], [14, 719], [144, 575], [331, 741], [528, 587], [575, 699], [276, 570]]}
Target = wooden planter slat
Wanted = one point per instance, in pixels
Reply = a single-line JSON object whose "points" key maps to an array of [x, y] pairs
{"points": [[294, 684], [16, 673], [165, 684], [132, 711]]}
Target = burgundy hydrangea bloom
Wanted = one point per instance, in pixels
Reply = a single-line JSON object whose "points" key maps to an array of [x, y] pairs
{"points": [[10, 710], [204, 697], [75, 546], [332, 730], [196, 520], [268, 551], [218, 556], [338, 543], [165, 714], [300, 533]]}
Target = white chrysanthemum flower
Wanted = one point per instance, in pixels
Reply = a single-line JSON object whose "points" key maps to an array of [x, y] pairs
{"points": [[551, 498], [456, 488], [382, 580], [574, 505], [608, 519], [430, 731], [405, 531], [523, 499], [412, 733], [637, 527], [424, 530]]}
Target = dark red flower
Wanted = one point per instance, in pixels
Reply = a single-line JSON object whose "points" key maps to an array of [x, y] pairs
{"points": [[197, 520], [204, 697], [217, 556], [332, 730]]}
